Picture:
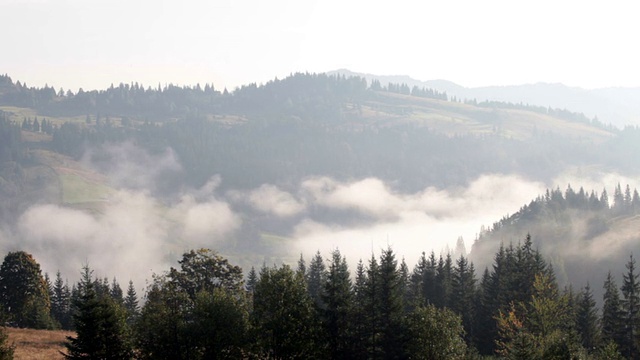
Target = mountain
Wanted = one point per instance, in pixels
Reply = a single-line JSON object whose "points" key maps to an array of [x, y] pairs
{"points": [[583, 233], [305, 162], [617, 106]]}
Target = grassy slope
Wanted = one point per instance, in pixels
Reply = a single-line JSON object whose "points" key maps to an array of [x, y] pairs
{"points": [[38, 344], [454, 118]]}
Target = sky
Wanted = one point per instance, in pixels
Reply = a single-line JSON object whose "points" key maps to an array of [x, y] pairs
{"points": [[91, 44]]}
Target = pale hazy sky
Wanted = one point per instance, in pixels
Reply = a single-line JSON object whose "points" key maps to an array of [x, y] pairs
{"points": [[93, 43]]}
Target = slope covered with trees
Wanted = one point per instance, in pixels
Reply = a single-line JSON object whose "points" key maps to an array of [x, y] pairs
{"points": [[584, 233], [439, 310]]}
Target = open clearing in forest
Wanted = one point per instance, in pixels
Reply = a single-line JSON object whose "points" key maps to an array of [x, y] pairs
{"points": [[33, 344]]}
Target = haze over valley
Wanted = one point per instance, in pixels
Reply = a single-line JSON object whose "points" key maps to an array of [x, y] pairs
{"points": [[311, 162]]}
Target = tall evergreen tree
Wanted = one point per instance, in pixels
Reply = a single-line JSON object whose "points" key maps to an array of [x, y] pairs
{"points": [[361, 315], [631, 310], [393, 335], [612, 316], [316, 277], [100, 326], [587, 320], [131, 304], [61, 303], [338, 298], [463, 292], [252, 279]]}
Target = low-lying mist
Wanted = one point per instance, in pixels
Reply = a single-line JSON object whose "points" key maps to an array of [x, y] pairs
{"points": [[139, 231]]}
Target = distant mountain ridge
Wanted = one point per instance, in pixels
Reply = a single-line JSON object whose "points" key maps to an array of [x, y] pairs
{"points": [[617, 106]]}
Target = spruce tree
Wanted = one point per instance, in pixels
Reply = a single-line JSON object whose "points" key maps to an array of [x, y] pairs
{"points": [[252, 279], [131, 304], [61, 303], [463, 291], [337, 296], [316, 277], [587, 320], [393, 337], [360, 316], [631, 309], [612, 315], [100, 325]]}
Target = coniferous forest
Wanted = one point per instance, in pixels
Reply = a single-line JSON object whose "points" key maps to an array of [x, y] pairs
{"points": [[530, 296], [207, 308]]}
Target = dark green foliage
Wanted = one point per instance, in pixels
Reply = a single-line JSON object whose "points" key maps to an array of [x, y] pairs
{"points": [[338, 300], [161, 330], [444, 277], [631, 310], [131, 304], [285, 322], [393, 337], [61, 303], [539, 328], [587, 321], [220, 325], [316, 277], [361, 315], [435, 334], [612, 316], [115, 291], [252, 279], [185, 308], [463, 293], [24, 294], [99, 321], [205, 270]]}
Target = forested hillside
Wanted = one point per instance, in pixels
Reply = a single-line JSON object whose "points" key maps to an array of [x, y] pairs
{"points": [[315, 156], [441, 309]]}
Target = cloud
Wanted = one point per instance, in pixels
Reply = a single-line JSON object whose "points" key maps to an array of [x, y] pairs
{"points": [[133, 236], [270, 199], [131, 167], [410, 223]]}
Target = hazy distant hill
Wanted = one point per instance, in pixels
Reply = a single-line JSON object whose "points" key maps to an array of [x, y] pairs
{"points": [[617, 106], [584, 233], [310, 151]]}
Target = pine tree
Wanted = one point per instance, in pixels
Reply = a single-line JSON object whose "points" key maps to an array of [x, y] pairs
{"points": [[612, 316], [131, 304], [99, 324], [61, 303], [316, 278], [444, 274], [337, 296], [252, 279], [587, 320], [463, 291], [361, 315], [631, 310], [116, 292], [393, 336]]}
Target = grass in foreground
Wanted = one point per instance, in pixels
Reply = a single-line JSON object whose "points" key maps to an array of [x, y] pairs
{"points": [[38, 344]]}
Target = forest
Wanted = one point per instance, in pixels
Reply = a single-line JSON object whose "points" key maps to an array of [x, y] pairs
{"points": [[530, 297], [208, 308]]}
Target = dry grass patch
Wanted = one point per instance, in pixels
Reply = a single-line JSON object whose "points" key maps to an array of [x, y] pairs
{"points": [[38, 344]]}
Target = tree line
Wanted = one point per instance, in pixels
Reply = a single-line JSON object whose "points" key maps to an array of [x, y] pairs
{"points": [[207, 308]]}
